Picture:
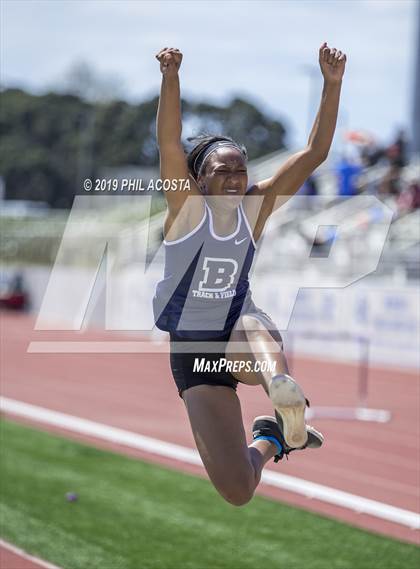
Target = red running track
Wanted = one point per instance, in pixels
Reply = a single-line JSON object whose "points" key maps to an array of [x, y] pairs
{"points": [[14, 558], [136, 392]]}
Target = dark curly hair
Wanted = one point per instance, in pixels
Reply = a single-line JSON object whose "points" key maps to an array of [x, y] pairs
{"points": [[200, 143]]}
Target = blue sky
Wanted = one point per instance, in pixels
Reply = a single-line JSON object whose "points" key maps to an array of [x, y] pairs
{"points": [[258, 49]]}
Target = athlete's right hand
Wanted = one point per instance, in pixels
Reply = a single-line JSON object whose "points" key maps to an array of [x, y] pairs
{"points": [[170, 61]]}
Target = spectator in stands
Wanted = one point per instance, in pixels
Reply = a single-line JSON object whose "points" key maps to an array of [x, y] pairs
{"points": [[409, 199], [347, 173], [397, 152], [309, 190], [391, 184], [371, 154]]}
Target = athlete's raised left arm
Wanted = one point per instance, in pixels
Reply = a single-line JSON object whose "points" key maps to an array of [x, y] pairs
{"points": [[298, 167]]}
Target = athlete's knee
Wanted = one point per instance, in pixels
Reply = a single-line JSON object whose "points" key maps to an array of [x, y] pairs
{"points": [[244, 325], [249, 323], [240, 492], [238, 498], [254, 329]]}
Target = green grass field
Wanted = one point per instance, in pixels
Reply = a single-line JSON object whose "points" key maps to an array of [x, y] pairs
{"points": [[134, 515]]}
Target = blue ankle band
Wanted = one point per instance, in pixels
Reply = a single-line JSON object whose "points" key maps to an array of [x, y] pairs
{"points": [[272, 440]]}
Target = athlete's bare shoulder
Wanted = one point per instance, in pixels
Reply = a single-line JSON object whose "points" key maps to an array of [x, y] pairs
{"points": [[181, 222], [253, 206]]}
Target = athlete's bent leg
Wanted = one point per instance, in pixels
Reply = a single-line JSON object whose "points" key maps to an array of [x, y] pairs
{"points": [[259, 345], [262, 349], [216, 422]]}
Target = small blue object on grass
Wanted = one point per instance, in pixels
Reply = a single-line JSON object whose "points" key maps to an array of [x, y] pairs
{"points": [[71, 497]]}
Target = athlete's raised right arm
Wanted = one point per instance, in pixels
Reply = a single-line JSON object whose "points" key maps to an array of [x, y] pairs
{"points": [[173, 161]]}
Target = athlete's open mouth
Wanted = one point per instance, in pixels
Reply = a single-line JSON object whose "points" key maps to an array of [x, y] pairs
{"points": [[231, 190]]}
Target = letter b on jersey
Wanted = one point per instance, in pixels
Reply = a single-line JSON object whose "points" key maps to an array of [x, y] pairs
{"points": [[219, 274]]}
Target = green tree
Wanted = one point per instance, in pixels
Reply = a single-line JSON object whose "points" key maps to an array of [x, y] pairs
{"points": [[51, 142]]}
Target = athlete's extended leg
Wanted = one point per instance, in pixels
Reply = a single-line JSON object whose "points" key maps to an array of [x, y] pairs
{"points": [[216, 422], [263, 347]]}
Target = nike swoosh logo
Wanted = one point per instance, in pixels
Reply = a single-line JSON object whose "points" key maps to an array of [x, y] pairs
{"points": [[239, 242]]}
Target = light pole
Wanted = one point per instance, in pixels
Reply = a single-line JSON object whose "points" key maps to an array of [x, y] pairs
{"points": [[416, 94]]}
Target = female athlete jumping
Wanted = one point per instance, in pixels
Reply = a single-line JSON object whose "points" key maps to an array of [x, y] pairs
{"points": [[218, 336]]}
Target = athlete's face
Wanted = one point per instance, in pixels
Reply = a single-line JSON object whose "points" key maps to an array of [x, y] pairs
{"points": [[225, 174]]}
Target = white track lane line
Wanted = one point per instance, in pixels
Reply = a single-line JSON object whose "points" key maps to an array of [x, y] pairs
{"points": [[191, 456], [24, 555]]}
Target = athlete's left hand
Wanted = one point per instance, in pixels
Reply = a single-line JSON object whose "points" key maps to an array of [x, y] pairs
{"points": [[332, 62]]}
